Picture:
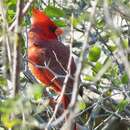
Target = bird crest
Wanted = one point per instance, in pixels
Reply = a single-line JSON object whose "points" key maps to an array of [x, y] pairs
{"points": [[39, 16]]}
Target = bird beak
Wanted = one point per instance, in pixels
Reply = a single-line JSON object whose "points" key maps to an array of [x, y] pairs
{"points": [[59, 31]]}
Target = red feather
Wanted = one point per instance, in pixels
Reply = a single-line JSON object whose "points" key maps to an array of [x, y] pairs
{"points": [[47, 56]]}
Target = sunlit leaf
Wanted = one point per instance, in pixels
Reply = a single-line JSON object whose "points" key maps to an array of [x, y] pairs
{"points": [[100, 23], [94, 53], [97, 67], [125, 43], [125, 78], [122, 105], [88, 78], [108, 92], [7, 106], [9, 123], [60, 23], [38, 92], [81, 18], [82, 105], [53, 11], [3, 81], [109, 2], [75, 22], [112, 48]]}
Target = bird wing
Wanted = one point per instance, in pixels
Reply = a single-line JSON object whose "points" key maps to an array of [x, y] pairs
{"points": [[57, 56]]}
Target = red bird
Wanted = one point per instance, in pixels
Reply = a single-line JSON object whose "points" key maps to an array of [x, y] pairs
{"points": [[48, 57]]}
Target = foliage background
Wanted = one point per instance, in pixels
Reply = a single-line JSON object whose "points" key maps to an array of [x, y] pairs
{"points": [[97, 32]]}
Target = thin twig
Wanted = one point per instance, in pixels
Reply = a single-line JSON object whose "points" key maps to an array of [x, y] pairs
{"points": [[118, 41], [24, 10], [103, 122], [17, 49], [79, 68], [6, 36], [65, 80]]}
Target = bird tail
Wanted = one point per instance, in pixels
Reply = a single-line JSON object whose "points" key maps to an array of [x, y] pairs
{"points": [[65, 101]]}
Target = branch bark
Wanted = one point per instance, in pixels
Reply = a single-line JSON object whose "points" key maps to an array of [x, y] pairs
{"points": [[17, 49], [69, 122]]}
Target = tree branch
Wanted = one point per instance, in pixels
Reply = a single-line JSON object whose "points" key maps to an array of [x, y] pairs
{"points": [[17, 49]]}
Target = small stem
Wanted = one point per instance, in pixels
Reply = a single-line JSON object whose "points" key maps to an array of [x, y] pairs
{"points": [[17, 50]]}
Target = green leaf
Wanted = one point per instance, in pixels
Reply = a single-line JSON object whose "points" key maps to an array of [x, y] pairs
{"points": [[82, 105], [94, 53], [9, 123], [100, 23], [116, 81], [81, 18], [88, 78], [125, 43], [53, 11], [109, 2], [112, 48], [125, 78], [38, 92], [122, 105], [60, 23], [3, 81], [97, 67], [6, 107], [75, 22], [10, 16], [10, 3], [11, 9], [11, 12]]}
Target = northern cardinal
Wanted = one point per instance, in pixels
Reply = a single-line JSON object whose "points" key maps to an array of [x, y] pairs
{"points": [[48, 57]]}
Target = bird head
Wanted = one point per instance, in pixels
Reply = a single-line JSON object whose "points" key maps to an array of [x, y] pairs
{"points": [[48, 28]]}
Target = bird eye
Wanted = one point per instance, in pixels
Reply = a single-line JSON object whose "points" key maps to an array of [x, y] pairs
{"points": [[52, 28]]}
